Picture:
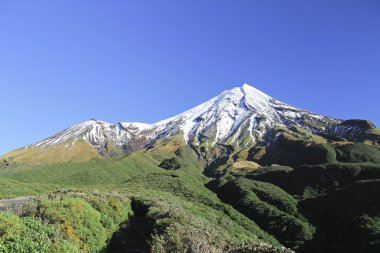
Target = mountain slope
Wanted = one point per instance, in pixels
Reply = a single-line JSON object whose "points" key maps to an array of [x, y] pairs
{"points": [[88, 140]]}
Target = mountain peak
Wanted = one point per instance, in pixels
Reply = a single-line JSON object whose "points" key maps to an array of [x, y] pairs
{"points": [[89, 122], [247, 86], [252, 91]]}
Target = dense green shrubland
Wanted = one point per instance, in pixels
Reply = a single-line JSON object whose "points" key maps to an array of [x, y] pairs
{"points": [[63, 222], [67, 221], [349, 218], [244, 209], [270, 207]]}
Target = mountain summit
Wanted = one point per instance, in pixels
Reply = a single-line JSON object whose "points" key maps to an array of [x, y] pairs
{"points": [[241, 117], [242, 114]]}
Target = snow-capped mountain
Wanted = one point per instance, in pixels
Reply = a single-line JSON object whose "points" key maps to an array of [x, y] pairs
{"points": [[237, 115], [234, 113], [241, 116], [100, 135]]}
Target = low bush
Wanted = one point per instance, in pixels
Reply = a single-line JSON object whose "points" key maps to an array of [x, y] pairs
{"points": [[64, 222], [270, 207], [349, 217], [181, 226], [26, 234]]}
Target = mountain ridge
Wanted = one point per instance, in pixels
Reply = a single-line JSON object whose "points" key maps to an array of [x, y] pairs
{"points": [[242, 117]]}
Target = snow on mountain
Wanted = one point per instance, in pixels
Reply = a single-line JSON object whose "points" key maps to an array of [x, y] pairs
{"points": [[235, 111], [236, 114], [96, 132]]}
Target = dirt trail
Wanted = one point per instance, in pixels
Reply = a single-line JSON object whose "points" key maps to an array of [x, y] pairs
{"points": [[7, 204]]}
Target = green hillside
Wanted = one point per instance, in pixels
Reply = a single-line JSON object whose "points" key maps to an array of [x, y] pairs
{"points": [[139, 179], [318, 195]]}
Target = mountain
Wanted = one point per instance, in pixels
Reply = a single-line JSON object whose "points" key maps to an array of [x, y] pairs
{"points": [[242, 117], [242, 172]]}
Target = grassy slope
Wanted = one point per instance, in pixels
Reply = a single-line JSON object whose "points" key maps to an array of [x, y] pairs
{"points": [[268, 203], [97, 172], [139, 174], [81, 151]]}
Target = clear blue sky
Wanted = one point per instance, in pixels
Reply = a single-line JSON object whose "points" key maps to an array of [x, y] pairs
{"points": [[62, 62]]}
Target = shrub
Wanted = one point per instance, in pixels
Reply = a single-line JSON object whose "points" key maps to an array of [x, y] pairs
{"points": [[24, 235], [77, 222], [270, 207], [170, 164]]}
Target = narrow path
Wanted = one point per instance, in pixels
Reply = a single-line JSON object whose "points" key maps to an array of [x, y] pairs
{"points": [[10, 204]]}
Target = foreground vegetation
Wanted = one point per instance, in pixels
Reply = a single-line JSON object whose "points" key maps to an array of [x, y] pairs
{"points": [[323, 198], [68, 221], [170, 210]]}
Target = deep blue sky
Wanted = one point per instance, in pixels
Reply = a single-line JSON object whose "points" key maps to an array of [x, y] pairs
{"points": [[62, 62]]}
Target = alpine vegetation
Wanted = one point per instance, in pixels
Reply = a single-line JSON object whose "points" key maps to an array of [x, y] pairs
{"points": [[242, 172]]}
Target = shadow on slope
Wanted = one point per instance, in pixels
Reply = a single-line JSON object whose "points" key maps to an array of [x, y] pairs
{"points": [[134, 235]]}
